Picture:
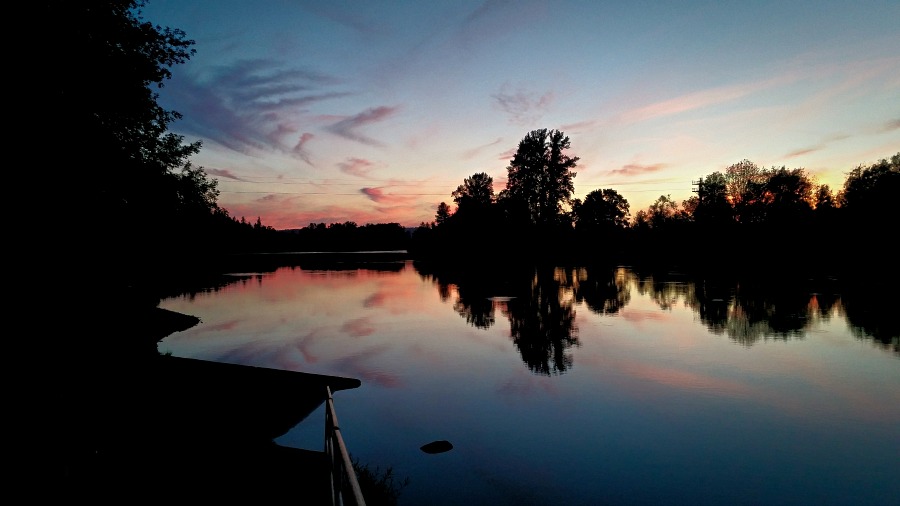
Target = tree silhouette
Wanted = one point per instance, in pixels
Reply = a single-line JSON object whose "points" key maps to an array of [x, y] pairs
{"points": [[713, 203], [141, 207], [443, 213], [540, 177], [475, 195], [871, 190], [601, 210]]}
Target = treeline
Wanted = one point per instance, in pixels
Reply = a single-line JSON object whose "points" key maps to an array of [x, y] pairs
{"points": [[347, 236], [744, 216]]}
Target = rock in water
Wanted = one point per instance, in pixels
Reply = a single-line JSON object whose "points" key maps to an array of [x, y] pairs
{"points": [[437, 447]]}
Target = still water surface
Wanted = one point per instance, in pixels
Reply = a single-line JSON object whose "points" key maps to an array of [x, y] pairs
{"points": [[577, 386]]}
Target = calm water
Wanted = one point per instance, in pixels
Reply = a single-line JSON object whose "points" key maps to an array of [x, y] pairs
{"points": [[579, 386]]}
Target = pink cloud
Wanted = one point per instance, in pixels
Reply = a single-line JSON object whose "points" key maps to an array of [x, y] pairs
{"points": [[360, 327], [348, 126], [818, 147], [508, 154], [579, 126], [377, 195], [300, 148], [356, 167], [633, 169], [700, 99], [280, 130]]}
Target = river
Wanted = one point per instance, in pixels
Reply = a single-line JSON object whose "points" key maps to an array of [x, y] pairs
{"points": [[578, 385]]}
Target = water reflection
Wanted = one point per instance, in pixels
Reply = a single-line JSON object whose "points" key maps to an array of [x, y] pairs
{"points": [[542, 322], [603, 291], [540, 306], [637, 371], [540, 303]]}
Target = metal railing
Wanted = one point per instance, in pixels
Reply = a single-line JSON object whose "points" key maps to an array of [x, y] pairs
{"points": [[344, 485]]}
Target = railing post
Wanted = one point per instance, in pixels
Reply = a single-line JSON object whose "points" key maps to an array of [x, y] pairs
{"points": [[341, 467]]}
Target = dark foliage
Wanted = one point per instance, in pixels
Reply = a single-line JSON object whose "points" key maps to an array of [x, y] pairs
{"points": [[380, 487]]}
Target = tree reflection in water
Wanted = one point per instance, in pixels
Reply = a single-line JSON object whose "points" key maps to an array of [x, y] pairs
{"points": [[540, 305], [542, 322]]}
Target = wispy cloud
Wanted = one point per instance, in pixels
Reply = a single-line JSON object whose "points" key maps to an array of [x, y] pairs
{"points": [[471, 153], [508, 154], [496, 19], [700, 99], [634, 169], [347, 16], [803, 151], [579, 126], [359, 327], [817, 147], [892, 125], [248, 105], [300, 148], [379, 196], [347, 127], [223, 173], [522, 107], [356, 167]]}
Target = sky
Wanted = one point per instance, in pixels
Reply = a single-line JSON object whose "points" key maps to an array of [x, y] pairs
{"points": [[375, 111]]}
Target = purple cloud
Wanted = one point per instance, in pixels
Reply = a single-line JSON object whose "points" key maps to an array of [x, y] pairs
{"points": [[523, 108], [818, 147], [474, 151], [223, 173], [347, 127], [508, 154], [356, 167], [378, 196], [374, 194], [247, 106], [633, 169], [300, 147]]}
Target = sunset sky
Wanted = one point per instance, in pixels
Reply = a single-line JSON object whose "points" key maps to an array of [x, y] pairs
{"points": [[375, 111]]}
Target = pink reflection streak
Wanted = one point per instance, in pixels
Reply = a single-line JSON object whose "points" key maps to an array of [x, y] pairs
{"points": [[843, 399], [397, 298], [686, 380], [359, 327], [424, 354], [638, 317], [229, 325]]}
